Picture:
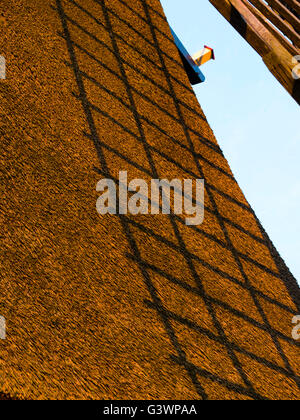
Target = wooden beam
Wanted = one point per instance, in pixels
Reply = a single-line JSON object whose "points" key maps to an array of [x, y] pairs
{"points": [[285, 42], [276, 51], [286, 13], [282, 25], [292, 4]]}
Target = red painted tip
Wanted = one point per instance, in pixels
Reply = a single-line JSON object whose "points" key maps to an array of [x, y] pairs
{"points": [[213, 53]]}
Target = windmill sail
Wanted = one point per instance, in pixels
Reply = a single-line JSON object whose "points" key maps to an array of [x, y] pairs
{"points": [[272, 28]]}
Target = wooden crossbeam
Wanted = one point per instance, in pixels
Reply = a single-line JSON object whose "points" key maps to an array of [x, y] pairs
{"points": [[286, 12], [282, 25], [285, 42], [293, 5], [272, 28]]}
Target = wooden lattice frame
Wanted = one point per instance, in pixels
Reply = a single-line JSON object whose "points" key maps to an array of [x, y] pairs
{"points": [[272, 28]]}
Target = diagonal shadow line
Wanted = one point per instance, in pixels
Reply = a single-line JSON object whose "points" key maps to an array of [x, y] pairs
{"points": [[119, 154], [228, 221], [276, 342], [121, 100], [173, 246], [194, 154], [212, 187], [194, 228], [155, 28], [95, 108], [146, 98], [189, 261], [285, 274], [125, 42], [220, 192], [233, 250], [202, 139], [200, 231], [215, 378], [135, 68], [271, 252], [191, 255], [214, 301], [140, 93], [112, 12], [167, 325], [287, 277], [195, 132], [138, 122], [128, 24], [156, 11], [183, 146], [151, 287], [216, 270], [99, 41], [101, 86], [169, 329], [206, 332], [140, 72], [142, 17]]}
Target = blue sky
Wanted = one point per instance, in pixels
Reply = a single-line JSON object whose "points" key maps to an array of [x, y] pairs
{"points": [[254, 119]]}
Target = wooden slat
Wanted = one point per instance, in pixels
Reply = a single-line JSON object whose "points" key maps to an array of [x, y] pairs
{"points": [[285, 13], [277, 21], [275, 32], [276, 51], [293, 4]]}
